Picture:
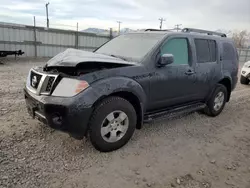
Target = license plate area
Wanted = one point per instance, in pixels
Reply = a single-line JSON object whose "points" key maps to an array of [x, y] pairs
{"points": [[32, 106]]}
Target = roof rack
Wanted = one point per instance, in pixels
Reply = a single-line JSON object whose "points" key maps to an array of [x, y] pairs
{"points": [[189, 30], [156, 30]]}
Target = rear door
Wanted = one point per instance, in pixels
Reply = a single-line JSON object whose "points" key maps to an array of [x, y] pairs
{"points": [[208, 66]]}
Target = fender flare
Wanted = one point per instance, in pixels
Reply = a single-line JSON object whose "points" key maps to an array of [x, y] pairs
{"points": [[105, 87]]}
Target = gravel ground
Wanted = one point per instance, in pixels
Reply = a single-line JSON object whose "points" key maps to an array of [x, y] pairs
{"points": [[193, 151]]}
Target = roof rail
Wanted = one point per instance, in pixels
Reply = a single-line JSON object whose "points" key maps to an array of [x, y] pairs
{"points": [[156, 30], [189, 30]]}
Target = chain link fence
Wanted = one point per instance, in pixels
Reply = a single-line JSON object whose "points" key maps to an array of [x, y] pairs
{"points": [[244, 54]]}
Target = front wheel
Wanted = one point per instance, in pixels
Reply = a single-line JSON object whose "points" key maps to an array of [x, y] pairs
{"points": [[112, 124], [244, 80], [217, 101]]}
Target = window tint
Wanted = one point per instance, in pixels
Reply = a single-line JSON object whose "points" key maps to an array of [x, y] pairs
{"points": [[178, 48], [205, 50], [212, 48], [228, 52]]}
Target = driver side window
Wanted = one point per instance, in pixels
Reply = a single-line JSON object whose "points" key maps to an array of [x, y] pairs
{"points": [[178, 47]]}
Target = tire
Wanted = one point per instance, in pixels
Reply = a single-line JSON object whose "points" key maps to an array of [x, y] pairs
{"points": [[111, 105], [244, 80], [211, 109]]}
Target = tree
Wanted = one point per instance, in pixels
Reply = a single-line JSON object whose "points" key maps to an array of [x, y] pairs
{"points": [[241, 38]]}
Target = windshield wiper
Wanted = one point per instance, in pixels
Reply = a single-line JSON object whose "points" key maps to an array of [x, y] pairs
{"points": [[117, 57], [112, 55]]}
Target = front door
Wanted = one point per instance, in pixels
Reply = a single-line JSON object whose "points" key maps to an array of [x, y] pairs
{"points": [[174, 84]]}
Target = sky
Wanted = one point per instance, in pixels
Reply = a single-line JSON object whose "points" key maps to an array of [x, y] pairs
{"points": [[135, 14]]}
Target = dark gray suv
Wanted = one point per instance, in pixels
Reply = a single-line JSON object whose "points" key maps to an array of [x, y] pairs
{"points": [[134, 78]]}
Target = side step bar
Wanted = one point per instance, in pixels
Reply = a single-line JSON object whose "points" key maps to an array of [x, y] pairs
{"points": [[169, 113]]}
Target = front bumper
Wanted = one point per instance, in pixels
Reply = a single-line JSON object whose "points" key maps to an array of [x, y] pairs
{"points": [[65, 114]]}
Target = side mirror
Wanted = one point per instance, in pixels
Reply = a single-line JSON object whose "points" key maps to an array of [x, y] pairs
{"points": [[166, 59]]}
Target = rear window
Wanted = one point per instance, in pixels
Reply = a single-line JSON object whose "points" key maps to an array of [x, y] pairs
{"points": [[205, 50], [228, 52], [212, 48]]}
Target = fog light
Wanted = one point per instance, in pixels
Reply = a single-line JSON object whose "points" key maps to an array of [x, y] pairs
{"points": [[57, 119], [243, 72]]}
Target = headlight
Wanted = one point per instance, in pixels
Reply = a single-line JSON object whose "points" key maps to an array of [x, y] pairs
{"points": [[68, 87], [28, 80]]}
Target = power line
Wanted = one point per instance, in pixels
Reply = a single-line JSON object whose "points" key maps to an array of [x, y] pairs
{"points": [[177, 26], [161, 20], [58, 24]]}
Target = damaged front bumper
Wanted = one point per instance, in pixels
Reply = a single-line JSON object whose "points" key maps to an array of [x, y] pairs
{"points": [[61, 113]]}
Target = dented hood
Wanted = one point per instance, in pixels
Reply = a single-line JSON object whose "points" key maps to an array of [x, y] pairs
{"points": [[73, 57]]}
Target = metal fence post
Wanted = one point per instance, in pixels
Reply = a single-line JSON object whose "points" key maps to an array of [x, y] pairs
{"points": [[76, 41], [246, 55], [110, 33], [35, 44]]}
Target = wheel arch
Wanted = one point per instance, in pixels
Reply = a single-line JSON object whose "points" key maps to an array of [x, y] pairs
{"points": [[123, 87], [130, 97], [226, 81]]}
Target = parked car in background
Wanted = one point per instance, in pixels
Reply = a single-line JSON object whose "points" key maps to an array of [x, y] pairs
{"points": [[134, 78], [245, 74]]}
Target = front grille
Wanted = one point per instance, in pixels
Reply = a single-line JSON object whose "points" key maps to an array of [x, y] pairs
{"points": [[50, 84], [41, 83], [35, 79]]}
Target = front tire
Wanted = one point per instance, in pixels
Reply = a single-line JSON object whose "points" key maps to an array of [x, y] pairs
{"points": [[244, 80], [112, 124], [217, 101]]}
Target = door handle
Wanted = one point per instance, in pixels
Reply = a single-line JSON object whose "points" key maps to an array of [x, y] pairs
{"points": [[189, 72]]}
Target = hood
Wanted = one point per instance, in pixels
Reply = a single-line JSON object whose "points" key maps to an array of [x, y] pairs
{"points": [[73, 57]]}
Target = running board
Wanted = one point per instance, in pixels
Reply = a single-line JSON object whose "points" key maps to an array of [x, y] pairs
{"points": [[174, 112]]}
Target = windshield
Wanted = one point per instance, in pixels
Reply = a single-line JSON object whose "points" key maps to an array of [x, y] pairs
{"points": [[133, 46]]}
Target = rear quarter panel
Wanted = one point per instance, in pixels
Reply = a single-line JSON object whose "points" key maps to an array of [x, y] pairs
{"points": [[229, 66]]}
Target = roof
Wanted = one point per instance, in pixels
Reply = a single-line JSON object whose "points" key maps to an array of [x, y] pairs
{"points": [[194, 34]]}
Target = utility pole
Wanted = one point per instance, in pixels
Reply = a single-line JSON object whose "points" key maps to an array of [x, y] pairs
{"points": [[119, 27], [47, 14], [161, 20], [77, 36], [177, 26]]}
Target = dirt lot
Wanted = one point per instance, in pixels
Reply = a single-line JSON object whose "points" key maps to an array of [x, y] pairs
{"points": [[192, 151]]}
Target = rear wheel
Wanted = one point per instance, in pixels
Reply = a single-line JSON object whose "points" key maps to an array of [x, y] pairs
{"points": [[244, 80], [217, 101], [112, 124]]}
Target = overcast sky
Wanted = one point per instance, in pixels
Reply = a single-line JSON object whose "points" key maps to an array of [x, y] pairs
{"points": [[135, 14]]}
